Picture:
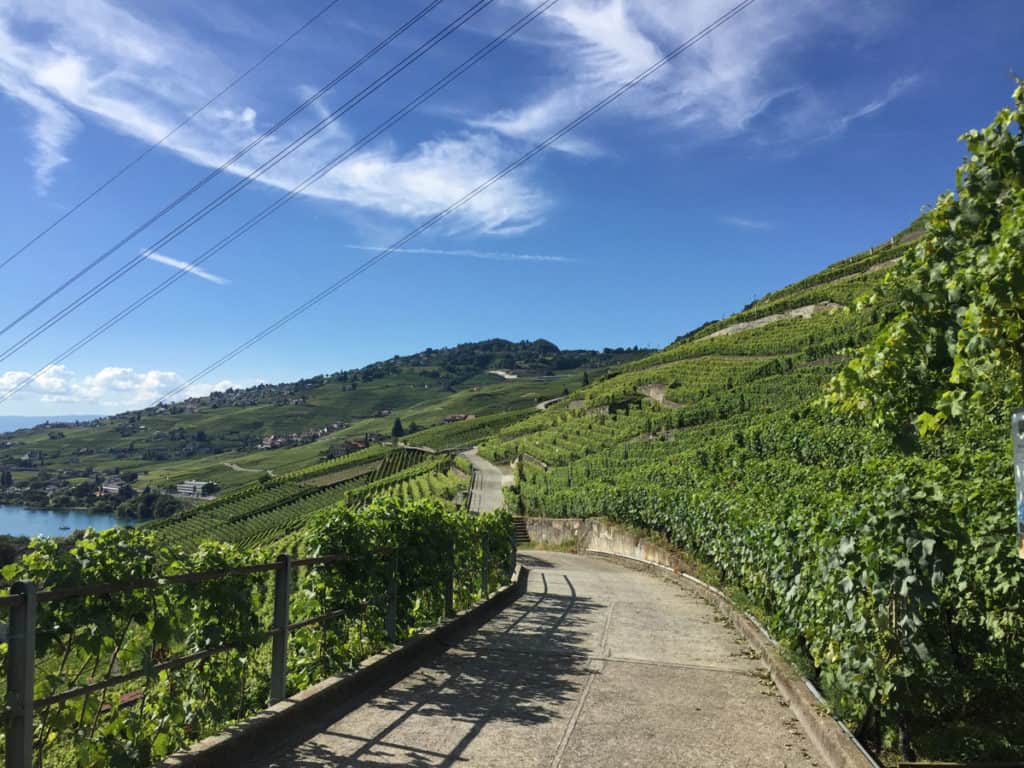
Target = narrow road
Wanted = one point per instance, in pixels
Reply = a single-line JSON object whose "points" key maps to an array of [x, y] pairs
{"points": [[485, 495], [237, 468], [596, 665], [544, 405], [656, 393]]}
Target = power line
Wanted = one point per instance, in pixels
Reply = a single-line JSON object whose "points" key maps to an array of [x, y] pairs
{"points": [[314, 177], [436, 218], [209, 207], [247, 179], [429, 223], [132, 163]]}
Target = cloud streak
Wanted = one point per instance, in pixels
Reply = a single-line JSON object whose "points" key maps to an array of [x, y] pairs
{"points": [[145, 81], [59, 61], [469, 253], [745, 223], [184, 266], [717, 91]]}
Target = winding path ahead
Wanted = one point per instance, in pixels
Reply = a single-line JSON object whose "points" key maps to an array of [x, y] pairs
{"points": [[486, 494], [237, 468], [596, 665]]}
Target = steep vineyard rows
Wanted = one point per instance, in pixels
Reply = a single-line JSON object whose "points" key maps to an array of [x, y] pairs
{"points": [[266, 510]]}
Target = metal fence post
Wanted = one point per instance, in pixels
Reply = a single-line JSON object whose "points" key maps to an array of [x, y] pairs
{"points": [[391, 619], [513, 554], [279, 648], [449, 583], [21, 668], [486, 567]]}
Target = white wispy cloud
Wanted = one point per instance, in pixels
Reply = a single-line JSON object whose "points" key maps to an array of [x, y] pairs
{"points": [[896, 88], [468, 253], [143, 80], [53, 127], [714, 92], [109, 388], [185, 266], [59, 60], [745, 223]]}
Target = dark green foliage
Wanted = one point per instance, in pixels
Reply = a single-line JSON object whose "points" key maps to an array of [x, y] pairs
{"points": [[11, 548], [149, 506], [421, 546], [954, 332]]}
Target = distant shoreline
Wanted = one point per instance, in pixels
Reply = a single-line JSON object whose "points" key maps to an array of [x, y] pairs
{"points": [[37, 508]]}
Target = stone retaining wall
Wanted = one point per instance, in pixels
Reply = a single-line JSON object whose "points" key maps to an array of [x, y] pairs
{"points": [[598, 535]]}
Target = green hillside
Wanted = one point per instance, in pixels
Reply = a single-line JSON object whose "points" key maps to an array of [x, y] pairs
{"points": [[201, 438], [835, 455]]}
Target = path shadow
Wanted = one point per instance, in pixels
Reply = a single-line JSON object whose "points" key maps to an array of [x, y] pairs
{"points": [[520, 668], [534, 561]]}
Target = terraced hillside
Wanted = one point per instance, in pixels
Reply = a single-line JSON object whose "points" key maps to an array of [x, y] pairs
{"points": [[264, 513], [713, 379], [842, 467], [231, 438]]}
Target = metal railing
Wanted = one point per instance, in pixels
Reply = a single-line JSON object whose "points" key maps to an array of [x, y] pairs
{"points": [[473, 495], [24, 598]]}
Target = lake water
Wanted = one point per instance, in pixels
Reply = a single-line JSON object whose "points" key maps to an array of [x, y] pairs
{"points": [[24, 521]]}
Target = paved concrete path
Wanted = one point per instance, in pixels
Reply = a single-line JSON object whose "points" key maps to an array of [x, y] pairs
{"points": [[597, 665], [486, 493], [544, 405]]}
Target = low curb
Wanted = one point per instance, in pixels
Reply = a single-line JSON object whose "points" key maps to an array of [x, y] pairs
{"points": [[263, 733], [833, 741]]}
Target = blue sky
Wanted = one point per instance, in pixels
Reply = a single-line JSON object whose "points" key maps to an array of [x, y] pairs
{"points": [[796, 135]]}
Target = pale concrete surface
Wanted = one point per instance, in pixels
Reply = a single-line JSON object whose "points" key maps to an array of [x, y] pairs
{"points": [[486, 493], [544, 405], [596, 665]]}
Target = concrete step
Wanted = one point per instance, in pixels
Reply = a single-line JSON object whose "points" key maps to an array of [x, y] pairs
{"points": [[522, 534]]}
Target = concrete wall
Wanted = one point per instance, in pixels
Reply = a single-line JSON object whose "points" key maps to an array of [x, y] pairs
{"points": [[597, 535], [553, 531]]}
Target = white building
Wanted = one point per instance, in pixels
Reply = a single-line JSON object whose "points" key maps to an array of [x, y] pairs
{"points": [[191, 488], [112, 486]]}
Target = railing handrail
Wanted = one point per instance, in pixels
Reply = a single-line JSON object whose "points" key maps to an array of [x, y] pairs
{"points": [[197, 577], [175, 662], [25, 598]]}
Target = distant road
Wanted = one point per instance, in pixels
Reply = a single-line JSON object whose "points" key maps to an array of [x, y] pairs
{"points": [[486, 494], [237, 468], [543, 406]]}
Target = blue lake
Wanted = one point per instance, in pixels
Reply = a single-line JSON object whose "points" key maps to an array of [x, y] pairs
{"points": [[24, 521]]}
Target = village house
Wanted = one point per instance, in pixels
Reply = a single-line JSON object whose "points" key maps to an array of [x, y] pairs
{"points": [[111, 486], [344, 448], [192, 488]]}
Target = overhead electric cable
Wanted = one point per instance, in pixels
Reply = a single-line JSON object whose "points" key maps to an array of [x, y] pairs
{"points": [[159, 142], [452, 75], [430, 222], [438, 217], [247, 178]]}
